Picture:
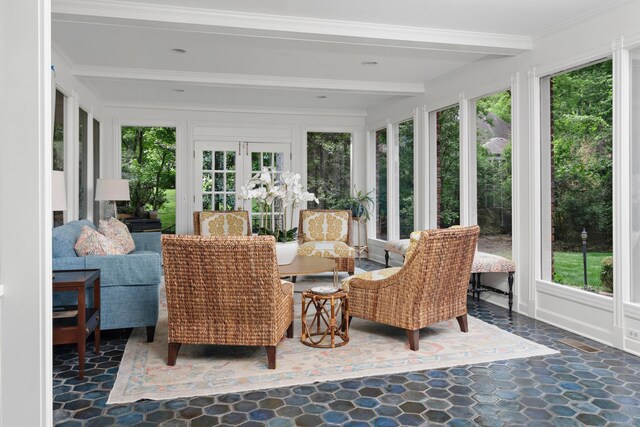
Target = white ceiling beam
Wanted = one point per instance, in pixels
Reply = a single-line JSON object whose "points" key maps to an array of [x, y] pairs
{"points": [[286, 27], [248, 81]]}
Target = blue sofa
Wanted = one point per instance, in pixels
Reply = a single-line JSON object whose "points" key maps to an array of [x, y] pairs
{"points": [[129, 283]]}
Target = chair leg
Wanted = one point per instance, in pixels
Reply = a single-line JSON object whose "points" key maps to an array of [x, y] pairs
{"points": [[151, 332], [271, 356], [386, 259], [414, 339], [350, 272], [462, 321], [290, 330], [293, 279], [174, 347]]}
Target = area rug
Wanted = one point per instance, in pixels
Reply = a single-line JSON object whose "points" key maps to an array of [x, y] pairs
{"points": [[373, 349]]}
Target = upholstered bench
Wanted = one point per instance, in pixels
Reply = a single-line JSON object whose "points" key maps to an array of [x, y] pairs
{"points": [[399, 247], [488, 263]]}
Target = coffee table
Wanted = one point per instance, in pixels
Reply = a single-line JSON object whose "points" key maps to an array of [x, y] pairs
{"points": [[304, 265]]}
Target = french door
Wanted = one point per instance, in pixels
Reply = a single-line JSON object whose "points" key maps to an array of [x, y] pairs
{"points": [[223, 167]]}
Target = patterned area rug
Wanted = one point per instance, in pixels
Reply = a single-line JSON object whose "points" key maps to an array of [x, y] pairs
{"points": [[373, 349]]}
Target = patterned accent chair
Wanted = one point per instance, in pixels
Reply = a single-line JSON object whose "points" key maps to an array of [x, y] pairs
{"points": [[221, 223], [327, 233], [431, 286], [208, 305]]}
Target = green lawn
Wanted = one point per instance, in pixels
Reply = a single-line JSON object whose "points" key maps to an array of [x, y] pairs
{"points": [[568, 268], [167, 213]]}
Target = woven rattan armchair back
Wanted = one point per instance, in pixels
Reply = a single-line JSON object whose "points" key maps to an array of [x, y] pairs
{"points": [[225, 290], [431, 286], [197, 220]]}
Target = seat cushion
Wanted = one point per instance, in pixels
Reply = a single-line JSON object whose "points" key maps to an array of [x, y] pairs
{"points": [[220, 224], [327, 250], [489, 263], [371, 275], [397, 246], [325, 226]]}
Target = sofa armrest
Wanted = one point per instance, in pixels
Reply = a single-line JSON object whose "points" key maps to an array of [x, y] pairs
{"points": [[150, 241], [68, 263], [132, 269]]}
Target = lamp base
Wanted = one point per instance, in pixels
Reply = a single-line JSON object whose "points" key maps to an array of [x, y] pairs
{"points": [[110, 210]]}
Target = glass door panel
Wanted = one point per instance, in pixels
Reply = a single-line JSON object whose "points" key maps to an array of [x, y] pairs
{"points": [[215, 176]]}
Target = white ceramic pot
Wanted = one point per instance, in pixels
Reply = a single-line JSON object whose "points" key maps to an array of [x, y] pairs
{"points": [[286, 252]]}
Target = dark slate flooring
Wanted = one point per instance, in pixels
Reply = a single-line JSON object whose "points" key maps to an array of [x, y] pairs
{"points": [[568, 389]]}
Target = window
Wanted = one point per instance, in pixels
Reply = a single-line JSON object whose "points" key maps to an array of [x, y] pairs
{"points": [[577, 116], [405, 177], [448, 166], [149, 163], [381, 183], [329, 168], [58, 146], [83, 162], [493, 152]]}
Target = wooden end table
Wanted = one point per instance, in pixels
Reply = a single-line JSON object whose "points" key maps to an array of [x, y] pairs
{"points": [[305, 265], [73, 324], [324, 325]]}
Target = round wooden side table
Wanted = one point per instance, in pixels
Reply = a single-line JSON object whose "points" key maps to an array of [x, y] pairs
{"points": [[323, 330]]}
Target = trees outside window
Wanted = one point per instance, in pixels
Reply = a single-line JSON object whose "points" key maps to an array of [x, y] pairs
{"points": [[58, 146], [149, 163], [381, 183], [493, 149], [448, 165], [329, 168], [581, 113], [83, 163], [405, 177]]}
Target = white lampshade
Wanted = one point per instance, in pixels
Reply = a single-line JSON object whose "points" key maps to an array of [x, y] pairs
{"points": [[58, 191], [112, 189]]}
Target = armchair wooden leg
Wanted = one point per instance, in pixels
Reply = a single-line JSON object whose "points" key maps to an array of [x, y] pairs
{"points": [[414, 339], [290, 330], [462, 321], [271, 356], [174, 347], [151, 332]]}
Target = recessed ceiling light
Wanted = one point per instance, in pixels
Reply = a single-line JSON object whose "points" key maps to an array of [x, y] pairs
{"points": [[321, 96], [177, 50], [178, 90], [369, 63]]}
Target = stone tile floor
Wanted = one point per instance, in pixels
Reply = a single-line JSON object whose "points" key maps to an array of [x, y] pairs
{"points": [[568, 389]]}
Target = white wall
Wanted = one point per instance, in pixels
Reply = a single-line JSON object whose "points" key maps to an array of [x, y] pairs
{"points": [[25, 213], [578, 43], [187, 121]]}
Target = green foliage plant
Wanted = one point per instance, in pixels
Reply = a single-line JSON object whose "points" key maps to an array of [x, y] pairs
{"points": [[606, 274]]}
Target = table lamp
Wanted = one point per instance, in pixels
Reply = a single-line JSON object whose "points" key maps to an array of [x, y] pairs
{"points": [[112, 190]]}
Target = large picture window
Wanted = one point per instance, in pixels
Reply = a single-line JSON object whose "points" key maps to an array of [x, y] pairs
{"points": [[329, 168], [578, 113], [493, 153], [58, 146], [448, 166], [83, 163], [381, 183]]}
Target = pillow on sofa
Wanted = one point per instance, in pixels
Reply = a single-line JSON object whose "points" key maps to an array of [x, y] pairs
{"points": [[117, 232], [92, 242]]}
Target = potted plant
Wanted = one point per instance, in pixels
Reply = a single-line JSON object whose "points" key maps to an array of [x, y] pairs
{"points": [[278, 197], [360, 204]]}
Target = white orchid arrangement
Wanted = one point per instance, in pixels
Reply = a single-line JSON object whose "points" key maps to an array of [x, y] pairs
{"points": [[267, 188]]}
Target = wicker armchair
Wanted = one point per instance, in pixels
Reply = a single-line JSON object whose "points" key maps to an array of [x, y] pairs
{"points": [[221, 223], [225, 291], [431, 286], [327, 233]]}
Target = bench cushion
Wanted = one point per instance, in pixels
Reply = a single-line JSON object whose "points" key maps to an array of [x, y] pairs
{"points": [[489, 263]]}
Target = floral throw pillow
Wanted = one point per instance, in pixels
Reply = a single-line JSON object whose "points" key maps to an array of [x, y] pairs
{"points": [[118, 232], [91, 242]]}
